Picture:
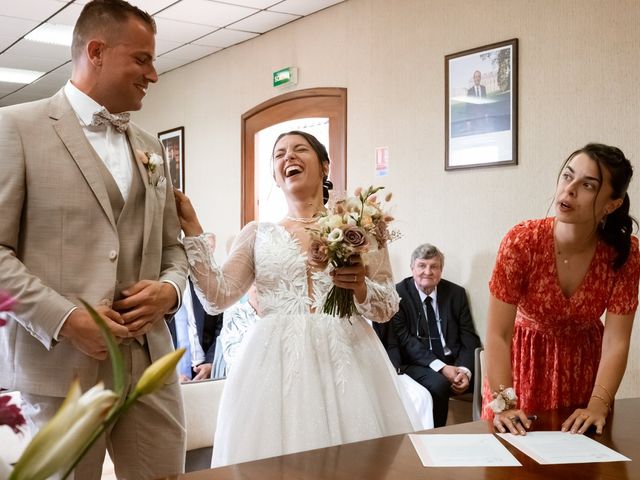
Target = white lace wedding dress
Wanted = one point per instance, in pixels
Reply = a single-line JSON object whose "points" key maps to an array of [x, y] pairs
{"points": [[302, 380]]}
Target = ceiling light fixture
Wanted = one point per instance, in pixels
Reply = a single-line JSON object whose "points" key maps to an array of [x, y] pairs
{"points": [[51, 33], [15, 75]]}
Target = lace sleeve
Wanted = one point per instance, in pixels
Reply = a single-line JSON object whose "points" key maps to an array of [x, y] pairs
{"points": [[382, 299], [219, 287]]}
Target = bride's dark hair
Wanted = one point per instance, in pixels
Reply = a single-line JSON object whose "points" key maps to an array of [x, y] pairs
{"points": [[616, 227], [321, 152]]}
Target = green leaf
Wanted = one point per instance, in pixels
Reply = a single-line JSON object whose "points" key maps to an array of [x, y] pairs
{"points": [[117, 365]]}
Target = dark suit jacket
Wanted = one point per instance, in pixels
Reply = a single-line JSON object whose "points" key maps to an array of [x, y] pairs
{"points": [[208, 327], [472, 91], [457, 325]]}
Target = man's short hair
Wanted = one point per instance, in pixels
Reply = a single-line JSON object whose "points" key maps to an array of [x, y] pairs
{"points": [[427, 251], [105, 16]]}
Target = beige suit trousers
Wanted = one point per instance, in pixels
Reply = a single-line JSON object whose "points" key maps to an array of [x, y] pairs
{"points": [[137, 442]]}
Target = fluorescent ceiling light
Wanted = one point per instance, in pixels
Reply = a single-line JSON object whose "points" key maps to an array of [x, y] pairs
{"points": [[52, 33], [14, 75]]}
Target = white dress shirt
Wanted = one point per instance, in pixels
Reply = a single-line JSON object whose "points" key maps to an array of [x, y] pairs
{"points": [[197, 353], [110, 145], [438, 364]]}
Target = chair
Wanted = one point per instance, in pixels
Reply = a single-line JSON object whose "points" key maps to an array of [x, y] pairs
{"points": [[477, 383], [201, 402]]}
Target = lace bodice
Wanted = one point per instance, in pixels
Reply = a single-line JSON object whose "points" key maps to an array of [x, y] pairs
{"points": [[285, 283]]}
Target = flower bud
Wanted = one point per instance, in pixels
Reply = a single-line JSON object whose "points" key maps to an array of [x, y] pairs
{"points": [[156, 374]]}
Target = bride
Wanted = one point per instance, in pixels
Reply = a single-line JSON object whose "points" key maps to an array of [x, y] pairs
{"points": [[303, 379]]}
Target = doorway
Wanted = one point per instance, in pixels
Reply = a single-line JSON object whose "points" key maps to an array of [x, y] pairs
{"points": [[319, 111]]}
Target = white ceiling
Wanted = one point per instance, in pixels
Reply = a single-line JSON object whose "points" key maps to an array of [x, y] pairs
{"points": [[187, 31]]}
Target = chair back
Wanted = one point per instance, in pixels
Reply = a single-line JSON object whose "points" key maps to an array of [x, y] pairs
{"points": [[201, 402], [478, 377]]}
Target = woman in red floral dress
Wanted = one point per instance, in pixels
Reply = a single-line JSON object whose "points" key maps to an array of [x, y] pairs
{"points": [[553, 280]]}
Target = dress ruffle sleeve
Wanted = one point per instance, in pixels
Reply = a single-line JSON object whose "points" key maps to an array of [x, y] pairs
{"points": [[219, 287], [382, 299]]}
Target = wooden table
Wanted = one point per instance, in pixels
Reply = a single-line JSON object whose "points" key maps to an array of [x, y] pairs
{"points": [[395, 458]]}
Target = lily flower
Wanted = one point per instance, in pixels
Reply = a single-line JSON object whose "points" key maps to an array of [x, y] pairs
{"points": [[61, 440]]}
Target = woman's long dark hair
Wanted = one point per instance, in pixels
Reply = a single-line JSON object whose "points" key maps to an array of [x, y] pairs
{"points": [[617, 226], [321, 152]]}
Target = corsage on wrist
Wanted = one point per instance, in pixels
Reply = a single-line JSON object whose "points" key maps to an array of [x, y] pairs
{"points": [[505, 399]]}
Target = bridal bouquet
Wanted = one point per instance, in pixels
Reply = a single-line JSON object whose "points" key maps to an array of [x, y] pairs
{"points": [[351, 227]]}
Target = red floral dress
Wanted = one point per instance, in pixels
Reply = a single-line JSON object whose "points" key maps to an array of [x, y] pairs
{"points": [[557, 340]]}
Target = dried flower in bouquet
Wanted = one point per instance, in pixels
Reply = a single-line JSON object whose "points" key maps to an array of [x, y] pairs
{"points": [[351, 227]]}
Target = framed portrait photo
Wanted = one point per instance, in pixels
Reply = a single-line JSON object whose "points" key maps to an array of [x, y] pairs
{"points": [[481, 106], [173, 143]]}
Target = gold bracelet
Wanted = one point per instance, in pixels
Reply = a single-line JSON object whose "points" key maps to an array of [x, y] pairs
{"points": [[602, 400], [606, 391]]}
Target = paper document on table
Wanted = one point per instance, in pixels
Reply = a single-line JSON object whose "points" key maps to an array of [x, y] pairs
{"points": [[549, 448], [468, 450]]}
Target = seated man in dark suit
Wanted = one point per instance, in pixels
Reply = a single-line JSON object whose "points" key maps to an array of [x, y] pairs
{"points": [[435, 332]]}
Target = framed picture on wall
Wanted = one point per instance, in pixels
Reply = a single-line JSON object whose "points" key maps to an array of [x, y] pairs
{"points": [[481, 106], [173, 143]]}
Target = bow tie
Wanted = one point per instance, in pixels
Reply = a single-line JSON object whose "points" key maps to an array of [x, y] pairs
{"points": [[119, 120]]}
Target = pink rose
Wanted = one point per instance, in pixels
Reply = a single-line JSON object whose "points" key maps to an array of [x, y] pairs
{"points": [[318, 253], [356, 238]]}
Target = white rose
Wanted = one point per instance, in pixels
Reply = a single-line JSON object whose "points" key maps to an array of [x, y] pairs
{"points": [[334, 221], [498, 404], [155, 160]]}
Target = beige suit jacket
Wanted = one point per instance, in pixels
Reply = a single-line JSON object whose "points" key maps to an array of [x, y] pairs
{"points": [[58, 239]]}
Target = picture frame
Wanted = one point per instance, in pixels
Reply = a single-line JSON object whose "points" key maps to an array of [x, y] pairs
{"points": [[173, 143], [481, 106]]}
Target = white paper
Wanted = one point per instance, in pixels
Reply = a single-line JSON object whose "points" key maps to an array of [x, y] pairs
{"points": [[550, 448], [468, 450]]}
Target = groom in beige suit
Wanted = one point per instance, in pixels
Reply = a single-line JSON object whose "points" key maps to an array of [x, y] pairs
{"points": [[85, 214]]}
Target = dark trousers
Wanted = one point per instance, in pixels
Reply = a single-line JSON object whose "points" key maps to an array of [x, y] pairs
{"points": [[438, 386]]}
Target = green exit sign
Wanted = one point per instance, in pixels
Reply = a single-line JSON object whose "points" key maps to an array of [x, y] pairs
{"points": [[285, 76]]}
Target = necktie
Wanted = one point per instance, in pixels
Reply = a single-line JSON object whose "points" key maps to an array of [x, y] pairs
{"points": [[477, 91], [434, 333], [119, 120]]}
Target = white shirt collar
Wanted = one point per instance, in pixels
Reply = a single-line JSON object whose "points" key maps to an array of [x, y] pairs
{"points": [[433, 295], [82, 104]]}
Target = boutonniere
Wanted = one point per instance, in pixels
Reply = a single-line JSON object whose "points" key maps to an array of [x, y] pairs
{"points": [[151, 162]]}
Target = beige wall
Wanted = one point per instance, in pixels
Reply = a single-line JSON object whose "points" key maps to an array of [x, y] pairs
{"points": [[579, 66]]}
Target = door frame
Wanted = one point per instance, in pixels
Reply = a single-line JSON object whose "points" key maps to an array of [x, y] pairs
{"points": [[312, 102]]}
